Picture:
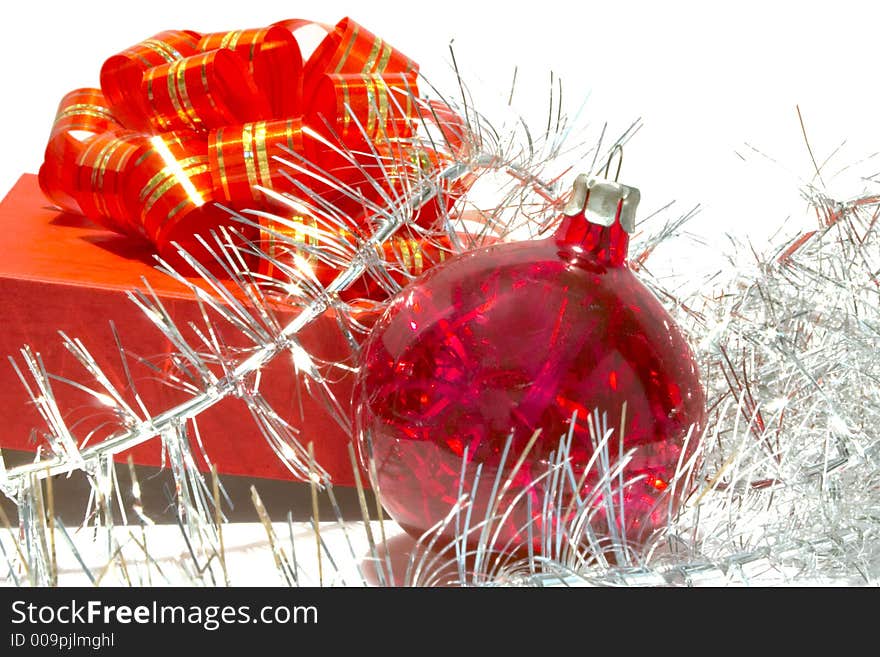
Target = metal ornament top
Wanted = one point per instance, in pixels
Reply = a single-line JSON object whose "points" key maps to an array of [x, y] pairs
{"points": [[602, 200]]}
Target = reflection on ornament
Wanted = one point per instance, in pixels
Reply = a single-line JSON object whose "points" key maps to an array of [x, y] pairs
{"points": [[556, 335]]}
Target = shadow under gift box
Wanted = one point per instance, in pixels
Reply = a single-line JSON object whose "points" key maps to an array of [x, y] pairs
{"points": [[60, 272]]}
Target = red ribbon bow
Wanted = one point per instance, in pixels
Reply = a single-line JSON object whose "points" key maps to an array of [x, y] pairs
{"points": [[184, 122]]}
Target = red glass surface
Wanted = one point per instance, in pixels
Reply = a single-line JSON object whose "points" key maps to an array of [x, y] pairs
{"points": [[510, 339]]}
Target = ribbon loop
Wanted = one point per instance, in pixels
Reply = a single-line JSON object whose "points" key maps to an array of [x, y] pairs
{"points": [[102, 176], [274, 62], [121, 75], [82, 114]]}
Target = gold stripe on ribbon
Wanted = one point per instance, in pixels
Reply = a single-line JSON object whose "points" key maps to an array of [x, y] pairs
{"points": [[354, 35], [346, 106], [247, 148], [382, 92], [168, 184], [102, 160], [142, 158], [404, 252], [224, 182], [370, 86], [315, 238], [230, 40], [383, 60], [272, 250], [97, 179], [288, 132], [95, 111], [409, 101], [373, 56], [82, 125], [164, 50], [163, 123], [206, 86], [172, 92], [175, 210], [419, 260], [144, 61], [262, 155], [179, 94], [161, 178], [382, 89]]}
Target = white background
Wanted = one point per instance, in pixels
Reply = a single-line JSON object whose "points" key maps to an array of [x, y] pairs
{"points": [[706, 78]]}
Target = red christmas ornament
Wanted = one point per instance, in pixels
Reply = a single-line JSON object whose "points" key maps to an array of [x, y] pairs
{"points": [[505, 340]]}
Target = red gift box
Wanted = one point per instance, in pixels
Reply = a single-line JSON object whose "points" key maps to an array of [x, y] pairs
{"points": [[59, 272]]}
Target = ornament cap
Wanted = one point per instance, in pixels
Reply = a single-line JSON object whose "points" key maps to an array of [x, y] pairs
{"points": [[603, 201]]}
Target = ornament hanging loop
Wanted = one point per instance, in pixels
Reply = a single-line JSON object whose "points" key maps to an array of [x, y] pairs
{"points": [[618, 149]]}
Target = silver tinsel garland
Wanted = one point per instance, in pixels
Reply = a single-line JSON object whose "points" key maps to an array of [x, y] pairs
{"points": [[783, 488]]}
